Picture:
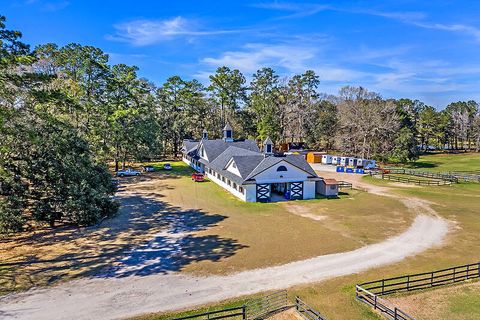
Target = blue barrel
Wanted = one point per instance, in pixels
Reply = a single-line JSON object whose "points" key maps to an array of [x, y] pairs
{"points": [[340, 169], [360, 171], [349, 170]]}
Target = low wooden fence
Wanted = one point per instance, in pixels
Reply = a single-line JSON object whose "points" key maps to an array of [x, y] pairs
{"points": [[370, 292], [252, 310], [344, 185], [307, 312], [261, 307], [237, 312], [467, 176], [440, 178]]}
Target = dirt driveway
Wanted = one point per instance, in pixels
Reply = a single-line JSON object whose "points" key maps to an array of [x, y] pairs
{"points": [[134, 293]]}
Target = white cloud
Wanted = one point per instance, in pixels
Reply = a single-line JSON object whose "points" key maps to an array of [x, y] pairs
{"points": [[298, 9], [49, 5], [254, 56], [147, 32], [285, 58]]}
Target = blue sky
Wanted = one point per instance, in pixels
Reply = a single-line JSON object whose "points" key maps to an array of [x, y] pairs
{"points": [[427, 50]]}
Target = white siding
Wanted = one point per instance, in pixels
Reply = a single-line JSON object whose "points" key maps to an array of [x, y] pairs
{"points": [[232, 167], [271, 175], [250, 192], [309, 190], [230, 189]]}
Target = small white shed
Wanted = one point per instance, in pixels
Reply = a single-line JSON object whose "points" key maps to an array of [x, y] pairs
{"points": [[327, 159], [335, 160], [327, 187], [352, 162], [360, 163]]}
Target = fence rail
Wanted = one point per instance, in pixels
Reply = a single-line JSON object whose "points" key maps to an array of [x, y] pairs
{"points": [[344, 185], [423, 280], [440, 178], [268, 304], [236, 312], [467, 176], [370, 292], [382, 305], [307, 312]]}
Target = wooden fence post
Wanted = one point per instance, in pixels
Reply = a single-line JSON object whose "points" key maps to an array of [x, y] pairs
{"points": [[375, 302], [431, 279], [383, 286], [408, 283], [296, 303], [395, 314], [478, 266], [244, 312]]}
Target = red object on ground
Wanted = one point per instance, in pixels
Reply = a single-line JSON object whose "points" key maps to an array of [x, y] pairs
{"points": [[197, 177]]}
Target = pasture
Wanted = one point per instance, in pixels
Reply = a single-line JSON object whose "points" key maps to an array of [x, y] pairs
{"points": [[459, 205], [448, 162], [217, 233], [200, 229]]}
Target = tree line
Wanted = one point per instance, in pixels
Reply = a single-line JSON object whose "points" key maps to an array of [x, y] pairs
{"points": [[65, 112]]}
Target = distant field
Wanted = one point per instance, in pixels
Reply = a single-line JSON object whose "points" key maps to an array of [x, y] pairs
{"points": [[461, 301], [448, 162]]}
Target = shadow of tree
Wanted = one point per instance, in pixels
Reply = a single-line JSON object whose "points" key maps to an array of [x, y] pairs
{"points": [[420, 165], [164, 254], [148, 236]]}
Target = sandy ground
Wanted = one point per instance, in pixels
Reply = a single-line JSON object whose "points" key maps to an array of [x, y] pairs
{"points": [[289, 314], [114, 298]]}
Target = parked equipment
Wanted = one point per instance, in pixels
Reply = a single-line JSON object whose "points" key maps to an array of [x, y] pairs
{"points": [[335, 160], [148, 169], [327, 159], [128, 172], [314, 157], [344, 161], [198, 177], [352, 162]]}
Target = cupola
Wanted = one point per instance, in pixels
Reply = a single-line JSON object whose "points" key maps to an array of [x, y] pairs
{"points": [[227, 133], [268, 147]]}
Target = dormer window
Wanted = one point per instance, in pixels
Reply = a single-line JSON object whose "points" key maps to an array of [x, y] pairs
{"points": [[228, 133], [282, 168], [268, 147]]}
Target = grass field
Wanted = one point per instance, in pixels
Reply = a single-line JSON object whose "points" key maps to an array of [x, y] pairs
{"points": [[222, 233], [299, 228], [459, 204], [448, 162], [236, 236], [461, 301]]}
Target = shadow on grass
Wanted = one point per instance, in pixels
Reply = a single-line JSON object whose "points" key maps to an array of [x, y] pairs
{"points": [[122, 246], [421, 165]]}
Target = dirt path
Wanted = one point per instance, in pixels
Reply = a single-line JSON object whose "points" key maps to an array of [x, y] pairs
{"points": [[114, 298]]}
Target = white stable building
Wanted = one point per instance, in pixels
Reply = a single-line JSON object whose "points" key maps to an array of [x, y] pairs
{"points": [[248, 173]]}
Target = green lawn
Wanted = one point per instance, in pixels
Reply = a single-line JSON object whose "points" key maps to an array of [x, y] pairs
{"points": [[335, 298], [461, 301], [448, 162]]}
